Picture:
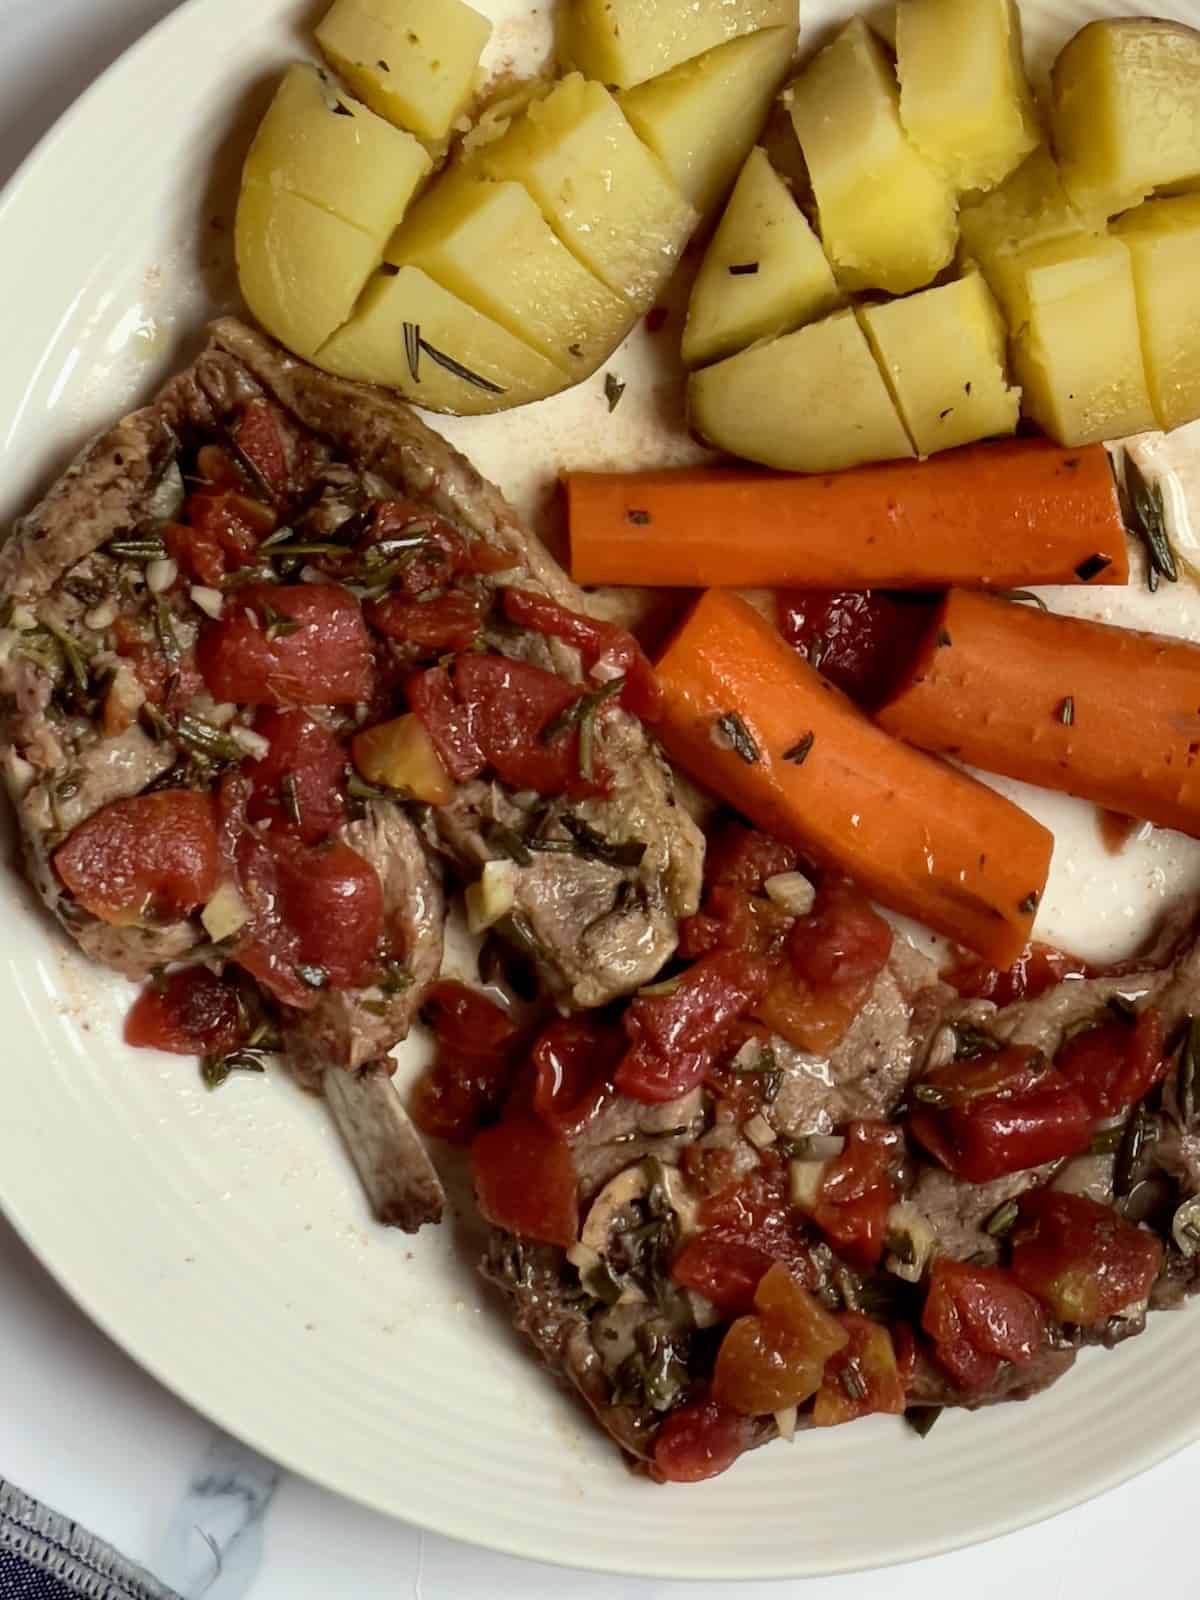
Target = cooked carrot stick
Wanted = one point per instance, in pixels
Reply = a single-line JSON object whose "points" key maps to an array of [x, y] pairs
{"points": [[751, 720], [1003, 515], [1097, 711]]}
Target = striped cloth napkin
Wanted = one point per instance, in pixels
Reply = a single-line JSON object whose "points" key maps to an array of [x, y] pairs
{"points": [[47, 1557]]}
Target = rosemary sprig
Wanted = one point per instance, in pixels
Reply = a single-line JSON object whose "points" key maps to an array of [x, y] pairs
{"points": [[922, 1418], [613, 390], [412, 349], [136, 548], [1145, 518], [415, 346], [1022, 597], [625, 853], [738, 737], [214, 1070], [203, 740]]}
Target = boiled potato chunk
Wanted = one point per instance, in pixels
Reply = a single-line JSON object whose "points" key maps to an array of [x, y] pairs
{"points": [[412, 61], [606, 196], [489, 244], [1030, 207], [944, 355], [1126, 111], [965, 101], [886, 218], [1078, 354], [812, 401], [495, 371], [623, 42], [300, 268], [328, 149], [764, 273], [1163, 238], [701, 119]]}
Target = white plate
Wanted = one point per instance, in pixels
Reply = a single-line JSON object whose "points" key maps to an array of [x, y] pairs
{"points": [[221, 1238]]}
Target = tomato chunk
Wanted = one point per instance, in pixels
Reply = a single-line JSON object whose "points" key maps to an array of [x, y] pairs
{"points": [[514, 709], [469, 1079], [1000, 1114], [596, 642], [221, 532], [746, 1228], [300, 784], [151, 858], [675, 1038], [861, 1380], [288, 645], [1117, 1064], [862, 640], [858, 1191], [525, 1180], [1038, 968], [978, 1317], [776, 1357], [191, 1012], [700, 1441], [1080, 1258], [445, 622], [259, 436], [574, 1062], [449, 723]]}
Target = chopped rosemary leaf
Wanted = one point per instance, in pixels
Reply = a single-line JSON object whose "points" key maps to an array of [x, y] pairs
{"points": [[168, 642], [137, 549], [1145, 518], [613, 390], [929, 1094], [922, 1418], [639, 519], [1001, 1220], [738, 737], [800, 751], [744, 269], [1133, 1142], [1030, 903], [1123, 1009], [214, 1070], [1107, 1142], [943, 638], [456, 368], [1187, 1078], [1022, 597], [278, 624], [1066, 711], [289, 798], [510, 843], [971, 1042], [202, 739], [1092, 567], [623, 853], [585, 705], [412, 349], [397, 978], [358, 788]]}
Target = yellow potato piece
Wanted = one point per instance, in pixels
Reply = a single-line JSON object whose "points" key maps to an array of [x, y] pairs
{"points": [[702, 118], [489, 244], [605, 195], [378, 345], [1125, 111], [1163, 239], [965, 101], [330, 150], [300, 268], [764, 272], [886, 217], [412, 61], [812, 401], [1030, 207], [1078, 353], [944, 355], [623, 42]]}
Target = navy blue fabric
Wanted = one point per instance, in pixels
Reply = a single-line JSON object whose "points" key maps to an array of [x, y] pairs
{"points": [[45, 1556], [20, 1581]]}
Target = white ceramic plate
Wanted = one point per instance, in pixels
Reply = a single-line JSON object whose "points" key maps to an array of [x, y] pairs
{"points": [[222, 1238]]}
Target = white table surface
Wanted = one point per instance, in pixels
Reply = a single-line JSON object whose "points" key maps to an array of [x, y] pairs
{"points": [[85, 1430]]}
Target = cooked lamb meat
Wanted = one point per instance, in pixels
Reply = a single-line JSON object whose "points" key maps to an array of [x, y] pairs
{"points": [[932, 1386], [399, 1178]]}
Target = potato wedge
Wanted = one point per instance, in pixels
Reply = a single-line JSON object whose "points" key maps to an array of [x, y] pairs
{"points": [[412, 61], [467, 365], [701, 119], [812, 401], [327, 148], [1125, 110], [607, 197], [886, 218], [944, 355], [965, 101], [623, 42], [300, 268], [489, 244], [763, 274], [1030, 207], [1163, 239], [1077, 351]]}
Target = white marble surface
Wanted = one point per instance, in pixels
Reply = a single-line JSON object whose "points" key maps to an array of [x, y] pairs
{"points": [[82, 1428]]}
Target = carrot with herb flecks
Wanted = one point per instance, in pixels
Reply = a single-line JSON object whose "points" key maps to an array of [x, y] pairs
{"points": [[1105, 713], [1002, 515], [752, 721]]}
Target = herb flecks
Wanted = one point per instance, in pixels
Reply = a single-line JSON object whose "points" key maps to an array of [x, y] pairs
{"points": [[1065, 711], [455, 368], [943, 638], [801, 750], [614, 853], [1022, 597], [1002, 1219], [613, 390], [743, 269], [215, 1070], [1145, 519], [639, 519], [736, 736], [1030, 903], [921, 1418], [1092, 567], [412, 349]]}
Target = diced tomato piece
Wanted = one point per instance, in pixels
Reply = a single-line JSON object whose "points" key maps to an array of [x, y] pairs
{"points": [[299, 786], [216, 467], [675, 1038], [732, 919], [288, 645], [525, 1181], [259, 436], [700, 1441], [151, 858], [861, 1380], [574, 1062], [859, 1190], [164, 683], [596, 642], [199, 555], [472, 1070], [466, 1020], [745, 1229], [435, 555], [1000, 1114], [776, 1357], [1080, 1259], [1117, 1064], [445, 622], [978, 1317], [221, 531], [1038, 968], [449, 723], [862, 640], [739, 857], [191, 1012], [904, 1341], [514, 708]]}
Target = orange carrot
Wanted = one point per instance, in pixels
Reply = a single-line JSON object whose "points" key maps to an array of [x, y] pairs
{"points": [[751, 720], [999, 515], [1097, 711]]}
